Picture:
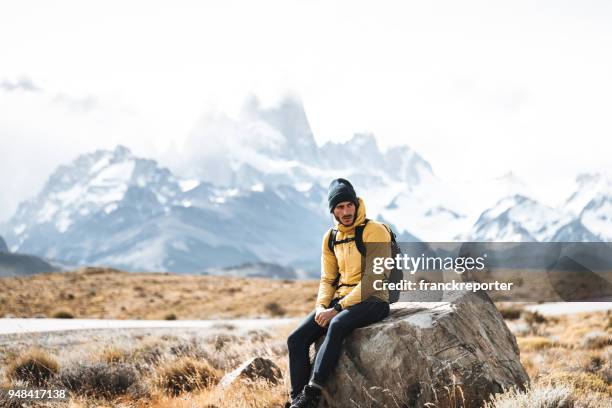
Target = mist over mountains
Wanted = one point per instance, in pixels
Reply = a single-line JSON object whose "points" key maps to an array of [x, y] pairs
{"points": [[252, 191]]}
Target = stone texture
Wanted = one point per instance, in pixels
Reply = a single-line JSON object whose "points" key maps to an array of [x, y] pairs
{"points": [[452, 353], [254, 369]]}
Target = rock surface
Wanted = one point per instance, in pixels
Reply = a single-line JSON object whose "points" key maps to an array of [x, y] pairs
{"points": [[453, 353], [253, 369]]}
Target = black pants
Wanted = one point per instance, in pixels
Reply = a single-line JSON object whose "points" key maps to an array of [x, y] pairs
{"points": [[362, 314]]}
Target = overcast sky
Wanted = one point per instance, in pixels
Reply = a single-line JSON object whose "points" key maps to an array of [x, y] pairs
{"points": [[478, 88]]}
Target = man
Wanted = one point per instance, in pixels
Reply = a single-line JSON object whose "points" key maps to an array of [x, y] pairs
{"points": [[339, 306]]}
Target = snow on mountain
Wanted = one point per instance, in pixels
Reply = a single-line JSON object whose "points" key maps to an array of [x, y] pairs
{"points": [[253, 191], [517, 219], [597, 216], [593, 223], [587, 187], [112, 208], [98, 182], [427, 210], [261, 146], [275, 146]]}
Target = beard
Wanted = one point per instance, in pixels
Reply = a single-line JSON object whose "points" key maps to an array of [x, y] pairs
{"points": [[347, 221]]}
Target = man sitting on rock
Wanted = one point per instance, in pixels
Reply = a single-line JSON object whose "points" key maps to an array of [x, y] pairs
{"points": [[339, 307]]}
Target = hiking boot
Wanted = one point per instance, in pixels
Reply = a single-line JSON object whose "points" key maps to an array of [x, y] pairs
{"points": [[308, 398]]}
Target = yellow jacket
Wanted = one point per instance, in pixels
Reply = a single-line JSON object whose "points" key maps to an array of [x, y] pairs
{"points": [[346, 262]]}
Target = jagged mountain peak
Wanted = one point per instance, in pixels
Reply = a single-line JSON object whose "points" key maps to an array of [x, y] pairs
{"points": [[93, 183], [517, 218], [288, 117], [588, 186]]}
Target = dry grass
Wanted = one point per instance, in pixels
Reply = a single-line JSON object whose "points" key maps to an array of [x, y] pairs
{"points": [[111, 294], [535, 397], [185, 375], [568, 361], [534, 343], [34, 367], [568, 358]]}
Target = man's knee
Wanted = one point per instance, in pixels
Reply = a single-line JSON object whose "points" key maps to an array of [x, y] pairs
{"points": [[294, 341], [337, 326]]}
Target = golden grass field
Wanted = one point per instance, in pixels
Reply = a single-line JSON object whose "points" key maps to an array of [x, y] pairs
{"points": [[111, 294], [568, 358]]}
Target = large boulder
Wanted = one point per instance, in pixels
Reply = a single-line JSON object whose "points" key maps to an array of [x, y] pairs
{"points": [[253, 369], [453, 353]]}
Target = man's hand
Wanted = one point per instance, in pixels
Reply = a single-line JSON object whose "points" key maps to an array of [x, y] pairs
{"points": [[323, 316]]}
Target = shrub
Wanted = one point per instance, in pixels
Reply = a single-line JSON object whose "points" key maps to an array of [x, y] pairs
{"points": [[113, 355], [99, 379], [582, 381], [34, 367], [596, 340], [534, 343], [186, 374], [534, 397], [510, 313], [62, 314], [534, 318], [170, 316], [275, 309]]}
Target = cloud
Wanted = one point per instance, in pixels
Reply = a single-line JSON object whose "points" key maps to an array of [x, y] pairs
{"points": [[79, 104], [21, 84]]}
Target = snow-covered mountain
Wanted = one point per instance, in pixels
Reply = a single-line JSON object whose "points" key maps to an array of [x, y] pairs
{"points": [[113, 208], [585, 216], [252, 190], [275, 146], [517, 219]]}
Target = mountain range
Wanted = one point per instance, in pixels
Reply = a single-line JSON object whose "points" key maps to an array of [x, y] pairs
{"points": [[250, 191]]}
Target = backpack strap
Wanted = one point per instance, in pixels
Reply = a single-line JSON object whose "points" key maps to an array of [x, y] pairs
{"points": [[359, 237], [331, 240], [391, 233]]}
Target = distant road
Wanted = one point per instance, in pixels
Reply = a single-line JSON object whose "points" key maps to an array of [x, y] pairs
{"points": [[561, 308], [19, 325]]}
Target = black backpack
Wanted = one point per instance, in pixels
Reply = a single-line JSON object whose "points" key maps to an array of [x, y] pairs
{"points": [[395, 276]]}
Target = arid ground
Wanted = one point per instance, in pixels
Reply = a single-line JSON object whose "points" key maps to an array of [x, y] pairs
{"points": [[568, 357]]}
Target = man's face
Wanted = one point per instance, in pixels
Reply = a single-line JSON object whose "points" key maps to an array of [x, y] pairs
{"points": [[345, 213]]}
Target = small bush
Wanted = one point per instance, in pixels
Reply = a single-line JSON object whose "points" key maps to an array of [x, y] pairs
{"points": [[534, 343], [534, 318], [62, 314], [275, 309], [113, 355], [596, 340], [510, 313], [186, 374], [222, 340], [535, 397], [170, 316], [34, 367], [586, 382], [99, 380]]}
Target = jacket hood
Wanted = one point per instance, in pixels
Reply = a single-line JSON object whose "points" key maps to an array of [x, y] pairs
{"points": [[359, 218]]}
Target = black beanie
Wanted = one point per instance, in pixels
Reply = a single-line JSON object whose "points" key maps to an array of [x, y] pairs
{"points": [[340, 190]]}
